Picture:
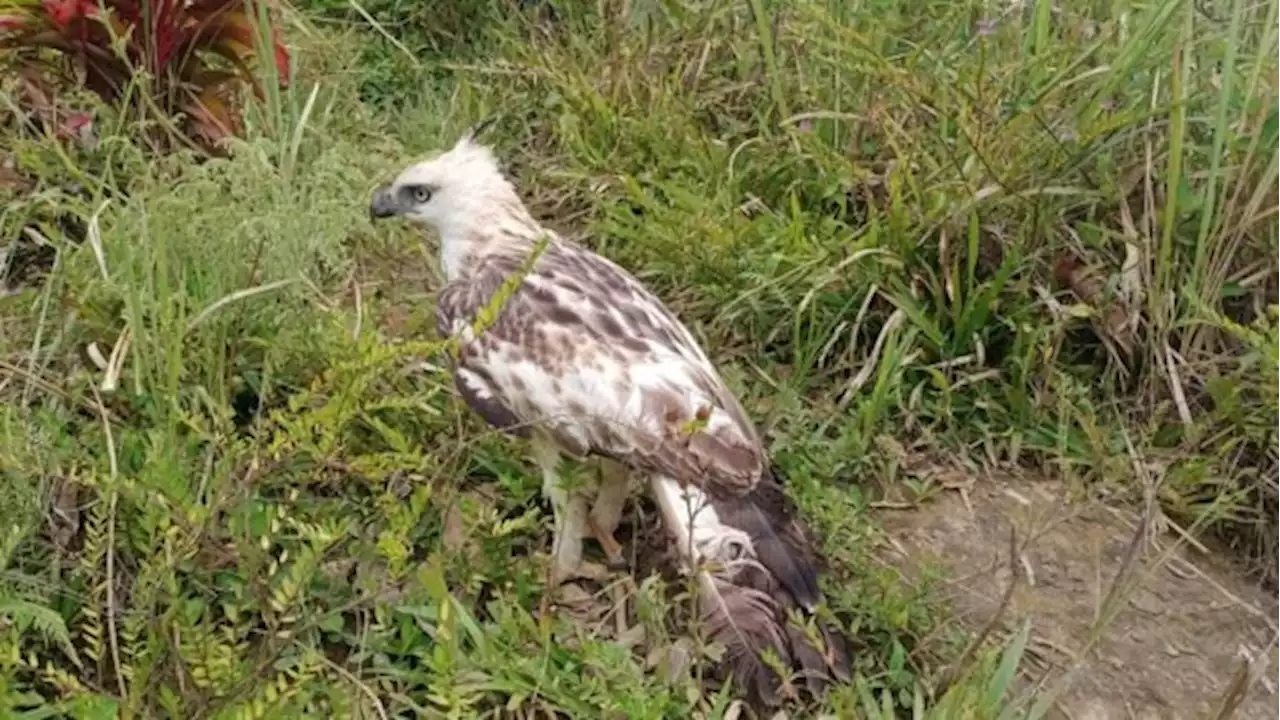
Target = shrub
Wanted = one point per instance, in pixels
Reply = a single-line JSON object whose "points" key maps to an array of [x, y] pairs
{"points": [[162, 57]]}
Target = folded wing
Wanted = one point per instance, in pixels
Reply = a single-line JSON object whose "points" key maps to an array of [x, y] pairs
{"points": [[585, 352]]}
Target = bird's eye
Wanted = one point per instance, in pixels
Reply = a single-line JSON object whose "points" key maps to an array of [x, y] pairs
{"points": [[421, 194]]}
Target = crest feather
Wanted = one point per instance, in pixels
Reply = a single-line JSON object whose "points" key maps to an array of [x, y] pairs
{"points": [[473, 134]]}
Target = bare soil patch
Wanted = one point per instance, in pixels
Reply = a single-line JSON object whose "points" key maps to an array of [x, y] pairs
{"points": [[1177, 641]]}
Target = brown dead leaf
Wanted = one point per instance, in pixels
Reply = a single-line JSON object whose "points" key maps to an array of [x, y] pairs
{"points": [[42, 106], [671, 661], [218, 556], [454, 537], [633, 636], [1114, 320], [64, 513], [339, 570], [12, 180], [32, 94]]}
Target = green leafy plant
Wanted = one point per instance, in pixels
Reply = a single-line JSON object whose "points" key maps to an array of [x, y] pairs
{"points": [[162, 57]]}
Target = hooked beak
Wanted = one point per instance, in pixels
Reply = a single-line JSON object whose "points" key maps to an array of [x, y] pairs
{"points": [[383, 204]]}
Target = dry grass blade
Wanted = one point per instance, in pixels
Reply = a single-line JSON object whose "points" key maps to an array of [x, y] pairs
{"points": [[869, 367], [115, 365], [360, 685], [1233, 696], [94, 235], [236, 296], [113, 635]]}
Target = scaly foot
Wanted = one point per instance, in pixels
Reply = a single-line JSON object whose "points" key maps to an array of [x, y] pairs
{"points": [[614, 559], [562, 592]]}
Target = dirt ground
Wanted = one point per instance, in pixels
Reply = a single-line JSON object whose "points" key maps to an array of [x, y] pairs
{"points": [[1173, 649]]}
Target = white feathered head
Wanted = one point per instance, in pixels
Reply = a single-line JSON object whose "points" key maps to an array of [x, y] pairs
{"points": [[448, 190]]}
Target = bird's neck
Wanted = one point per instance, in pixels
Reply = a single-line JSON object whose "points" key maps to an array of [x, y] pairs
{"points": [[465, 242]]}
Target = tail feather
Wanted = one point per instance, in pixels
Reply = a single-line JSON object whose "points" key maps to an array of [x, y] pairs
{"points": [[746, 597], [783, 552], [816, 664], [819, 665], [744, 621]]}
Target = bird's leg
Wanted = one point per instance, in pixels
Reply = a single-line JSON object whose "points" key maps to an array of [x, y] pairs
{"points": [[606, 513], [567, 543], [570, 510]]}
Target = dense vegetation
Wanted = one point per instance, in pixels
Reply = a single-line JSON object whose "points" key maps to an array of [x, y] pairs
{"points": [[235, 480]]}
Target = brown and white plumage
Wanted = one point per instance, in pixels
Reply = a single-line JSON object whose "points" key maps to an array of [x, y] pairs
{"points": [[585, 361]]}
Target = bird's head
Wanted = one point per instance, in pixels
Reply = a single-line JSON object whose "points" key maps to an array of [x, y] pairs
{"points": [[448, 192]]}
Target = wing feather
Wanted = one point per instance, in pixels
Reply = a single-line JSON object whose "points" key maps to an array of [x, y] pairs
{"points": [[477, 390], [474, 383], [583, 350]]}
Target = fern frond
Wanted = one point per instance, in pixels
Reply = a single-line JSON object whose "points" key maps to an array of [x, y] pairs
{"points": [[26, 615]]}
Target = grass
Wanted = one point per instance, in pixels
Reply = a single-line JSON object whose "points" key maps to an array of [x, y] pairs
{"points": [[879, 219]]}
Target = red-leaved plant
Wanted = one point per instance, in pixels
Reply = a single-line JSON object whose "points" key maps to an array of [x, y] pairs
{"points": [[178, 43]]}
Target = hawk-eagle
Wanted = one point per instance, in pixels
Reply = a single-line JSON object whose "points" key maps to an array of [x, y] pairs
{"points": [[583, 360]]}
